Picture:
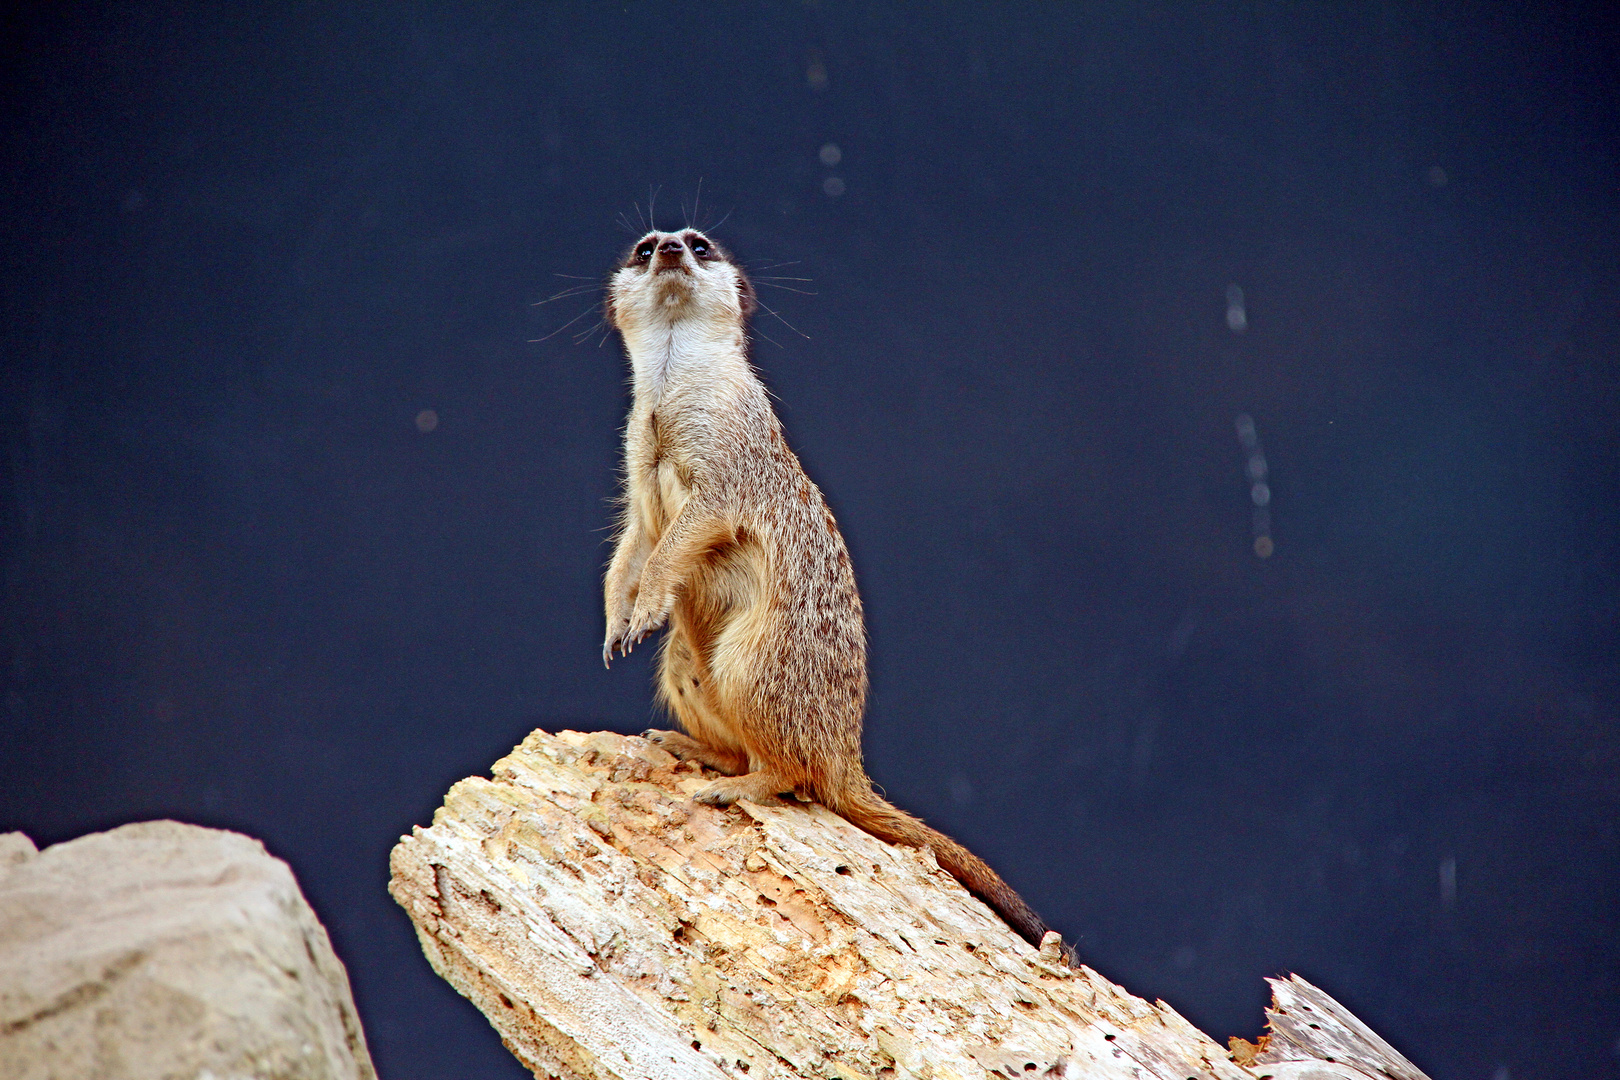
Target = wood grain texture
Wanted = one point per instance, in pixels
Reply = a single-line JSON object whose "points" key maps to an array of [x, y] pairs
{"points": [[1313, 1037], [610, 927]]}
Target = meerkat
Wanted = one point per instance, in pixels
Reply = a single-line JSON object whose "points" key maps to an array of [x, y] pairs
{"points": [[727, 543]]}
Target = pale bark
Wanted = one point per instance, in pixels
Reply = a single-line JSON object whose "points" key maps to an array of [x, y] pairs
{"points": [[610, 927]]}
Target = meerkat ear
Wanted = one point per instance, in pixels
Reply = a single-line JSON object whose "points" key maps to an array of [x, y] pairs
{"points": [[745, 295]]}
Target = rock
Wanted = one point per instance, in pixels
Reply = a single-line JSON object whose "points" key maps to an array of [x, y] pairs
{"points": [[15, 848], [167, 950]]}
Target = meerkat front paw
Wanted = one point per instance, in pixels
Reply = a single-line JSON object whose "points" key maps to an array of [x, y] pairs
{"points": [[625, 632], [615, 640], [643, 621]]}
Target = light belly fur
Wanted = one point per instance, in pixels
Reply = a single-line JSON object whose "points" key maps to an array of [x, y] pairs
{"points": [[715, 629]]}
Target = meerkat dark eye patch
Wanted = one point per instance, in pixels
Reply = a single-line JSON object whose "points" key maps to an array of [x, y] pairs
{"points": [[644, 251], [699, 245]]}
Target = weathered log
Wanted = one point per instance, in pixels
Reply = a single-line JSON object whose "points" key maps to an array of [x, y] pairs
{"points": [[610, 927]]}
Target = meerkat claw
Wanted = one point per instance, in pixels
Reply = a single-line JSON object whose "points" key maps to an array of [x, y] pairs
{"points": [[644, 626]]}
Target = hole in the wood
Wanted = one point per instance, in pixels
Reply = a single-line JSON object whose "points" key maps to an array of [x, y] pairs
{"points": [[1316, 1027], [1109, 1036], [842, 869], [696, 1045], [1029, 1066], [506, 1001], [767, 901], [741, 1064]]}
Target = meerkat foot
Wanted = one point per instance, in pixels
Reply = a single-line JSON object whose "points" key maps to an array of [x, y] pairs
{"points": [[689, 749], [754, 786], [682, 746]]}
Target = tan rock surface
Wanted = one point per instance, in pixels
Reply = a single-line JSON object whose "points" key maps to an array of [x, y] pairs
{"points": [[167, 950], [609, 927]]}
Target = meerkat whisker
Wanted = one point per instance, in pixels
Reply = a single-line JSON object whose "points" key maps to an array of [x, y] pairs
{"points": [[581, 338], [574, 290], [784, 322], [564, 326]]}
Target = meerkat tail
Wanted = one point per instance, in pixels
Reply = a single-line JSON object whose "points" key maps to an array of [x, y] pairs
{"points": [[876, 815]]}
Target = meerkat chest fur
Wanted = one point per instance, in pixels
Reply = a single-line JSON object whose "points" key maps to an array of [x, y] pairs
{"points": [[687, 381]]}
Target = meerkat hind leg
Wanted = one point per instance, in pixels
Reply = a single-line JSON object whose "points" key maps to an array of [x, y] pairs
{"points": [[755, 787], [687, 748]]}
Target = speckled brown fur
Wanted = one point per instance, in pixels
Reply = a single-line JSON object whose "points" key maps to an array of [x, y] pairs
{"points": [[725, 541]]}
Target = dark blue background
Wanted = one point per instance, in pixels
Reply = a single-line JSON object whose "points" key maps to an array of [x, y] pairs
{"points": [[243, 247]]}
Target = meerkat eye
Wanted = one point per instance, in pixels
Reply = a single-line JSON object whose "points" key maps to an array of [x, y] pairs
{"points": [[700, 247], [644, 251]]}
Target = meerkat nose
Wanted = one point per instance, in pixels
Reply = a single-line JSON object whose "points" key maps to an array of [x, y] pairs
{"points": [[671, 254]]}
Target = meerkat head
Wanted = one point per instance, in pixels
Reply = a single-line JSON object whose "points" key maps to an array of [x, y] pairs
{"points": [[666, 278]]}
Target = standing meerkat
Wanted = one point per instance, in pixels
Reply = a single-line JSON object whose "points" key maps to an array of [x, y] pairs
{"points": [[725, 541]]}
